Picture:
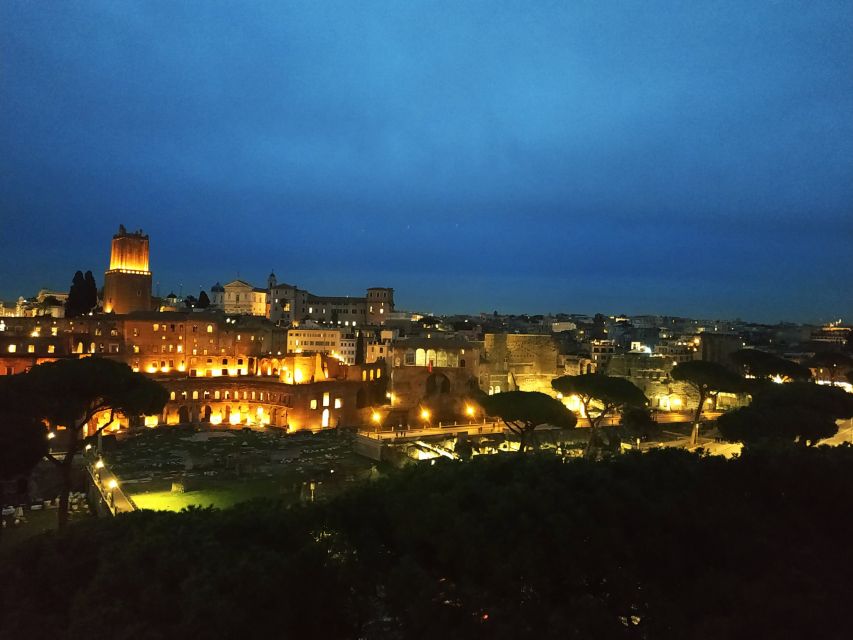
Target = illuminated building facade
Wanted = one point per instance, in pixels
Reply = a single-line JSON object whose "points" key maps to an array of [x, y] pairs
{"points": [[289, 304], [238, 297], [127, 283]]}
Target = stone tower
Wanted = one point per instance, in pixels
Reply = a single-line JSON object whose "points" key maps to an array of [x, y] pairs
{"points": [[380, 302], [127, 283]]}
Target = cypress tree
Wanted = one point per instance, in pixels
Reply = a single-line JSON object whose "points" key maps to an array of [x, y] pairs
{"points": [[76, 296]]}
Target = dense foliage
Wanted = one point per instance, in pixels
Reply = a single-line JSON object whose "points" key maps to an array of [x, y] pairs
{"points": [[523, 411], [70, 393], [658, 545]]}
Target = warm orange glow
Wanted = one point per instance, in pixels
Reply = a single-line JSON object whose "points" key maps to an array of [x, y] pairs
{"points": [[215, 418], [376, 417], [234, 418], [469, 411], [151, 421], [425, 415]]}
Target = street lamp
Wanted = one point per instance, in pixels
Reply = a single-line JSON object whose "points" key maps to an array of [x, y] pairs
{"points": [[425, 415]]}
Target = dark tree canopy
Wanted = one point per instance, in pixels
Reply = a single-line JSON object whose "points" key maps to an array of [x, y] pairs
{"points": [[799, 411], [203, 300], [69, 393], [601, 392], [506, 547], [767, 365], [708, 379], [637, 422], [754, 425], [83, 295], [23, 442], [601, 395], [65, 392], [834, 361], [523, 411]]}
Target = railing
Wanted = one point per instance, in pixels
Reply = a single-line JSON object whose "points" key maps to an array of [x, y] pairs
{"points": [[110, 496], [425, 432]]}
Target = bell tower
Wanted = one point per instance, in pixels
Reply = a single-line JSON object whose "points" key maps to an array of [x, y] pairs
{"points": [[127, 283]]}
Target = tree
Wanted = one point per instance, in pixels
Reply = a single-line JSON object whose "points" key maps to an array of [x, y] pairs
{"points": [[76, 301], [523, 411], [70, 393], [708, 379], [90, 292], [761, 364], [203, 300], [600, 395], [797, 412], [23, 443], [637, 422], [833, 361]]}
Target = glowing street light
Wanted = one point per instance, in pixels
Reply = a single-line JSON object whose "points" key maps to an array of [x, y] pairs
{"points": [[99, 464], [469, 411], [425, 415], [51, 435], [376, 417], [112, 484]]}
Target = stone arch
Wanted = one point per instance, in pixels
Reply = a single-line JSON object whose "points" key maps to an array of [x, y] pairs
{"points": [[361, 399], [183, 414], [437, 383], [205, 413]]}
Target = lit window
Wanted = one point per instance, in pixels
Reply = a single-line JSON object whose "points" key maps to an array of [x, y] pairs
{"points": [[325, 399], [12, 348], [338, 403], [314, 404], [31, 348], [210, 328], [51, 348]]}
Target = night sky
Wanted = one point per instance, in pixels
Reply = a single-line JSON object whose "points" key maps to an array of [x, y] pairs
{"points": [[691, 158]]}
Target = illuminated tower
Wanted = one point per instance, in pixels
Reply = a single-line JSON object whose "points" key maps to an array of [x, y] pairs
{"points": [[127, 284]]}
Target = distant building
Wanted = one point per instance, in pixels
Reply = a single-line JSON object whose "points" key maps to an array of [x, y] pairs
{"points": [[238, 297]]}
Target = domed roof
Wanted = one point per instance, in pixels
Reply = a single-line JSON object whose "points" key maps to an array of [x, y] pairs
{"points": [[217, 287]]}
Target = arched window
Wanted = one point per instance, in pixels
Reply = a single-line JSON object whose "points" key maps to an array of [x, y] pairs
{"points": [[195, 395], [441, 359], [430, 357], [420, 358], [410, 357], [325, 418]]}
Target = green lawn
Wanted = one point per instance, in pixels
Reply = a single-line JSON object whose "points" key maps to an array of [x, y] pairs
{"points": [[218, 494]]}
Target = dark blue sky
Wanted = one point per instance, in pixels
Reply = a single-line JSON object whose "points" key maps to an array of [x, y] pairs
{"points": [[689, 158]]}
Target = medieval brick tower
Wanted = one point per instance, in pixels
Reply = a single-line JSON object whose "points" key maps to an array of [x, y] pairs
{"points": [[127, 283]]}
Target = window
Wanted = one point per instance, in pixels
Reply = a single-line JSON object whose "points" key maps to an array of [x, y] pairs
{"points": [[420, 358], [210, 328], [313, 404], [325, 399], [216, 395], [51, 348], [12, 348], [339, 403], [410, 357], [31, 348], [172, 395]]}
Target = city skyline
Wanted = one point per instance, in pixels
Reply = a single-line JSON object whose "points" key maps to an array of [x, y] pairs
{"points": [[682, 161]]}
